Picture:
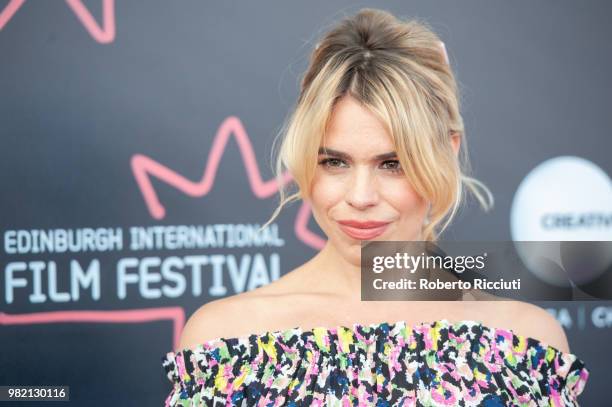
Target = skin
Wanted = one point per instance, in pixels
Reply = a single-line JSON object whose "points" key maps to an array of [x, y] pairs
{"points": [[325, 291]]}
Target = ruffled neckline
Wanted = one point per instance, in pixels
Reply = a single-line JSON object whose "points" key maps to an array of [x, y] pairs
{"points": [[481, 355], [357, 329]]}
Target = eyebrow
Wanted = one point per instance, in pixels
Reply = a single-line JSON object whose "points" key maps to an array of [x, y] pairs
{"points": [[340, 154]]}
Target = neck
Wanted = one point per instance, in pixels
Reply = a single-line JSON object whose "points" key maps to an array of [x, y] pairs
{"points": [[331, 273]]}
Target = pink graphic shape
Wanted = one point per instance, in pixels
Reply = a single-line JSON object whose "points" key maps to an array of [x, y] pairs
{"points": [[9, 11], [103, 35], [301, 228], [144, 168], [134, 316]]}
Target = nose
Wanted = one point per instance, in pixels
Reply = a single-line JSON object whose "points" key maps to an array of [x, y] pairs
{"points": [[362, 191]]}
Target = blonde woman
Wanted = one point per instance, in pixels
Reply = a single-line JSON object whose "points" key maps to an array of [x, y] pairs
{"points": [[376, 146]]}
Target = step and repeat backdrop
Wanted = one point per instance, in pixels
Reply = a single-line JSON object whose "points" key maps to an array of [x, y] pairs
{"points": [[135, 140]]}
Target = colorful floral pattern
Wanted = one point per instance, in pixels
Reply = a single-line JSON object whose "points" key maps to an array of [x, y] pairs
{"points": [[441, 363]]}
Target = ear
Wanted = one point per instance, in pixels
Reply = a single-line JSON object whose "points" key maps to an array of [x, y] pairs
{"points": [[455, 141]]}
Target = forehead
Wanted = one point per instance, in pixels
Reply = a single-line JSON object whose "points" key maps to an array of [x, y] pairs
{"points": [[356, 130]]}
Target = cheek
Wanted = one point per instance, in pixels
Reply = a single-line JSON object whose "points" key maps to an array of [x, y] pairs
{"points": [[326, 193], [405, 200]]}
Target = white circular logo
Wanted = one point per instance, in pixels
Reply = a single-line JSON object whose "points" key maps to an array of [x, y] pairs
{"points": [[562, 199]]}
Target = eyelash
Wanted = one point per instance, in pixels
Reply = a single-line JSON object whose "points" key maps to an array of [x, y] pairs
{"points": [[326, 161]]}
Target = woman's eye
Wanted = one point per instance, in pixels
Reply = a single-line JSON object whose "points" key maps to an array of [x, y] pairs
{"points": [[331, 162], [394, 166]]}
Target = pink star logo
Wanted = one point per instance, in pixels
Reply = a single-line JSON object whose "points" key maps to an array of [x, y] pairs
{"points": [[103, 35], [144, 168]]}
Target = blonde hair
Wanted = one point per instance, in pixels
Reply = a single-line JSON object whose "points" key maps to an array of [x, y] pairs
{"points": [[399, 70]]}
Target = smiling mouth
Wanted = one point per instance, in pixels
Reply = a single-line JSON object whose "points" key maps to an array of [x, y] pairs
{"points": [[363, 233]]}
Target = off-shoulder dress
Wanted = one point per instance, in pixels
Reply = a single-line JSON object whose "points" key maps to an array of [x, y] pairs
{"points": [[440, 363]]}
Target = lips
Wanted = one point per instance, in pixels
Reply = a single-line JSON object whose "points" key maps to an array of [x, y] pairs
{"points": [[363, 230]]}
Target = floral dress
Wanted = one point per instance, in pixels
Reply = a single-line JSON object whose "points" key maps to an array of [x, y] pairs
{"points": [[438, 363]]}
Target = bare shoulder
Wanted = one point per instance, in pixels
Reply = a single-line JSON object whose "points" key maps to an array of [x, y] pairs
{"points": [[535, 322], [277, 305], [523, 318], [221, 318], [242, 314]]}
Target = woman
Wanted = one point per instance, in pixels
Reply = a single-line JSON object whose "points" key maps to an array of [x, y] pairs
{"points": [[374, 146]]}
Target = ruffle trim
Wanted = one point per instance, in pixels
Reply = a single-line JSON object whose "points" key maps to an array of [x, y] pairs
{"points": [[237, 358]]}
